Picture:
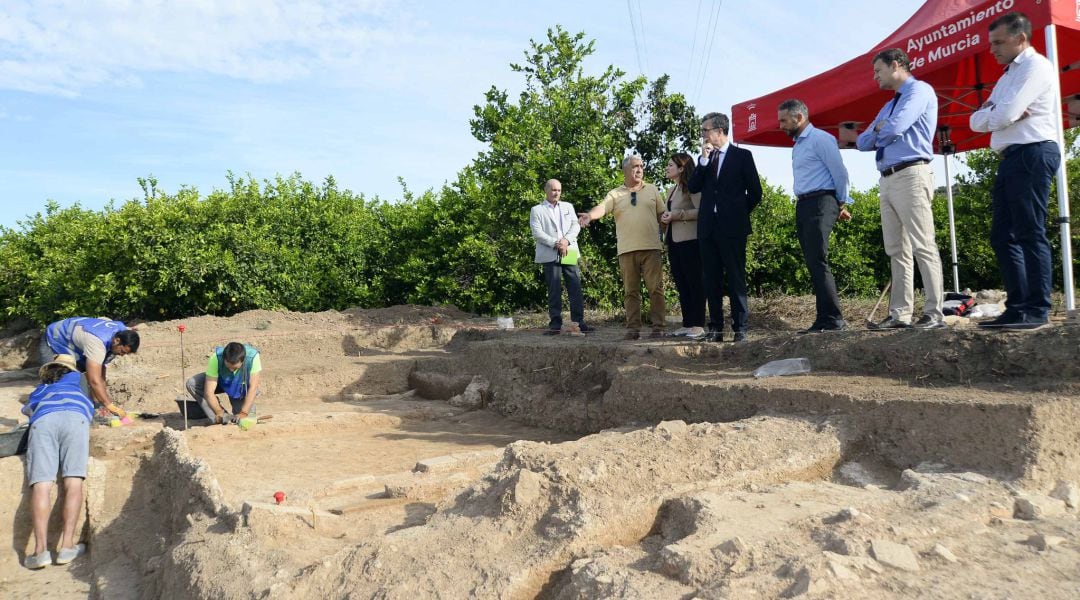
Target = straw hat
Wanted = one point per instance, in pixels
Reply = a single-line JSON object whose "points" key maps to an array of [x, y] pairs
{"points": [[64, 360]]}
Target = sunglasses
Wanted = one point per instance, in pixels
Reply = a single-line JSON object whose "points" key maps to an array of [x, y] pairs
{"points": [[633, 198]]}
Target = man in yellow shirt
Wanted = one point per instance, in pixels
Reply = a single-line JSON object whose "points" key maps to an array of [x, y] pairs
{"points": [[637, 207]]}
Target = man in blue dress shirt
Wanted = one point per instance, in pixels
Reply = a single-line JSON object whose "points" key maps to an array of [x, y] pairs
{"points": [[901, 136], [821, 192]]}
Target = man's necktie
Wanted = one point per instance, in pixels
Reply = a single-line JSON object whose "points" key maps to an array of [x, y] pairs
{"points": [[714, 160], [881, 151]]}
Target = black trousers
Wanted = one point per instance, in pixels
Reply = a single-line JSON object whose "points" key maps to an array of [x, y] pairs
{"points": [[723, 262], [554, 274], [685, 260], [814, 221], [1018, 227]]}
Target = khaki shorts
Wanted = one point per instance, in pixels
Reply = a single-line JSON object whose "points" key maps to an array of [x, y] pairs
{"points": [[59, 443]]}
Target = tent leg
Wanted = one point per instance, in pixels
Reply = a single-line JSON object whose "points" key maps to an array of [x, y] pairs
{"points": [[952, 226], [1063, 180]]}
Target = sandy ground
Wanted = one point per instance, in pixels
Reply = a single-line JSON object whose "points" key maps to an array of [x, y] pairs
{"points": [[423, 453]]}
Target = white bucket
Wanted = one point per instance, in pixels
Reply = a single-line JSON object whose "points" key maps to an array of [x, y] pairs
{"points": [[504, 322]]}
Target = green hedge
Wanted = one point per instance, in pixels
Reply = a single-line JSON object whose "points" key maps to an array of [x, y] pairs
{"points": [[298, 245]]}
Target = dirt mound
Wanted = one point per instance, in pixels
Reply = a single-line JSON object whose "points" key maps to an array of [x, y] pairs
{"points": [[943, 535], [19, 351], [408, 314], [543, 505]]}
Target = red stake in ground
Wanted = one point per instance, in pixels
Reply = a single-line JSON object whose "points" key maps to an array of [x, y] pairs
{"points": [[279, 496], [183, 376]]}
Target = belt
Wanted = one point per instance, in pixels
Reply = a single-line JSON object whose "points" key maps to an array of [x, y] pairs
{"points": [[816, 194], [1007, 150], [902, 166]]}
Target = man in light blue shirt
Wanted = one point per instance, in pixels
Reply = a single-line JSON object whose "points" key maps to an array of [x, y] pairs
{"points": [[901, 136], [821, 192]]}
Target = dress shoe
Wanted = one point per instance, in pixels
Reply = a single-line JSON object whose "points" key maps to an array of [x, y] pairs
{"points": [[823, 327], [695, 333], [890, 323], [928, 322], [632, 334], [714, 336], [740, 336], [1026, 322], [1006, 318], [587, 328]]}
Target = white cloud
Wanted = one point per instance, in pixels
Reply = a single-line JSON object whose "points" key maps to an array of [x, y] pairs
{"points": [[65, 46]]}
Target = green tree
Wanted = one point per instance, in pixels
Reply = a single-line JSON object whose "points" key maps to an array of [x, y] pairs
{"points": [[568, 125], [973, 209]]}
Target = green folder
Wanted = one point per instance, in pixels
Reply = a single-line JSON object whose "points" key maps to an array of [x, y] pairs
{"points": [[571, 257]]}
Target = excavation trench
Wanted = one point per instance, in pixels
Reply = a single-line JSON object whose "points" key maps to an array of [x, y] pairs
{"points": [[497, 465], [915, 409]]}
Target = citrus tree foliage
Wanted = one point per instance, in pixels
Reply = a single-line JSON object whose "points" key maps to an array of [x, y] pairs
{"points": [[286, 243]]}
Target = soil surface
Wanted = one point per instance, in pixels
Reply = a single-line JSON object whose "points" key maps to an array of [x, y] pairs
{"points": [[425, 453]]}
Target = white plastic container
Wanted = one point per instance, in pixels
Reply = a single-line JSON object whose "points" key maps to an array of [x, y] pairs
{"points": [[787, 366], [504, 322]]}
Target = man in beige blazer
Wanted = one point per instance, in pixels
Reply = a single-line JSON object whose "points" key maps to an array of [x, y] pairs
{"points": [[555, 228]]}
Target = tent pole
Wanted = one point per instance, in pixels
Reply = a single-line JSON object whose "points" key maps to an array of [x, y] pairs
{"points": [[952, 226], [1063, 180]]}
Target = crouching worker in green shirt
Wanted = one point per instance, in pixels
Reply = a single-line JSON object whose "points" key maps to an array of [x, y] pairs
{"points": [[235, 371]]}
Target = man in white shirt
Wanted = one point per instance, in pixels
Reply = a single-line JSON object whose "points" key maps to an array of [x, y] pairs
{"points": [[1020, 116]]}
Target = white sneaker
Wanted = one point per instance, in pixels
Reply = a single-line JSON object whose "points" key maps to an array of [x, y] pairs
{"points": [[680, 332], [38, 561], [695, 332], [66, 555]]}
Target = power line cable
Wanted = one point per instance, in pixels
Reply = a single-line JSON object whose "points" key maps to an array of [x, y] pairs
{"points": [[693, 44], [645, 39], [699, 75], [715, 23], [633, 28], [711, 40]]}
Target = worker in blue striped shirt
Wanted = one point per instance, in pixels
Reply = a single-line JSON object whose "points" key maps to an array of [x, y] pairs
{"points": [[60, 415]]}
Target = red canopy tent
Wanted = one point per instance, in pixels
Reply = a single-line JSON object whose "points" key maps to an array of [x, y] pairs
{"points": [[947, 42]]}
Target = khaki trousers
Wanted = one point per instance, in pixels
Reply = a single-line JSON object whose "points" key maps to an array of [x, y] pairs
{"points": [[634, 267], [907, 226]]}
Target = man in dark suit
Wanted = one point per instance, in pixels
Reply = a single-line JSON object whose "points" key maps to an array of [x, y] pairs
{"points": [[728, 182]]}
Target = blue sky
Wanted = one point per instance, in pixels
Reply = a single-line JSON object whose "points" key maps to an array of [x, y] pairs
{"points": [[96, 93]]}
